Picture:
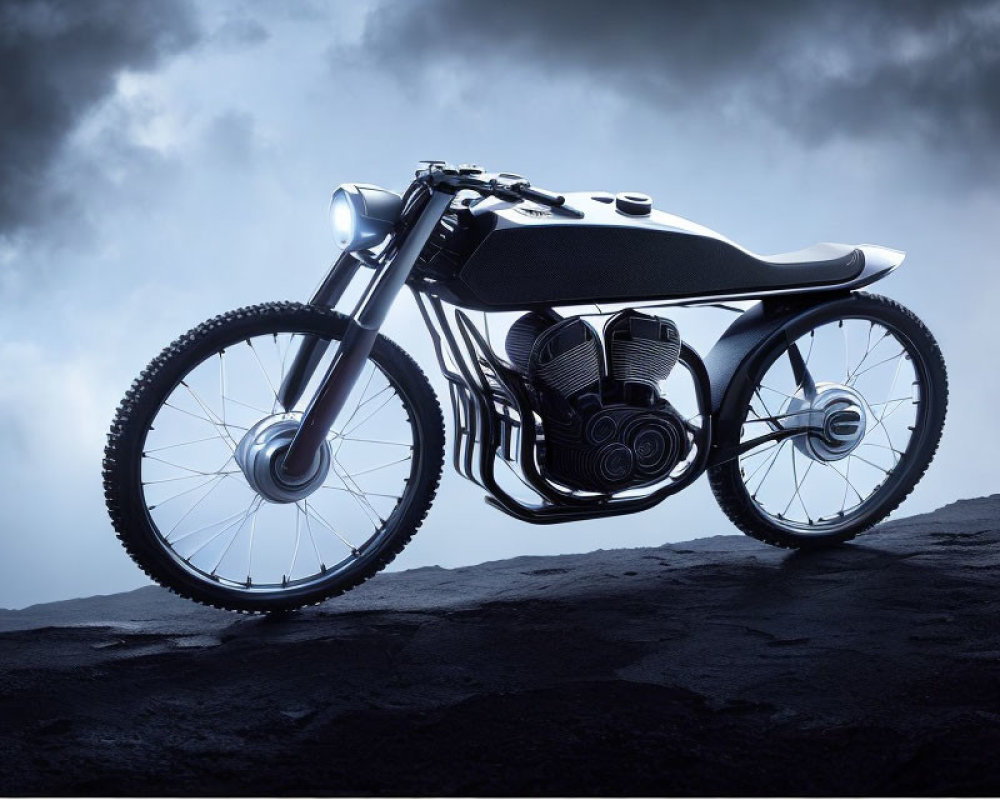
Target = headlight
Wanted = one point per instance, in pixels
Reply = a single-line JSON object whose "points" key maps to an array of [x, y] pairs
{"points": [[363, 215]]}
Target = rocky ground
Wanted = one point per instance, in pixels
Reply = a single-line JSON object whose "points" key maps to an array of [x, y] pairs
{"points": [[721, 666]]}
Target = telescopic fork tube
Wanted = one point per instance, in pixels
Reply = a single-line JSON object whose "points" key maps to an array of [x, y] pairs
{"points": [[362, 329]]}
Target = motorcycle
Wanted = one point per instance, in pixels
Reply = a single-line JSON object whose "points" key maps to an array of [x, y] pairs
{"points": [[281, 454]]}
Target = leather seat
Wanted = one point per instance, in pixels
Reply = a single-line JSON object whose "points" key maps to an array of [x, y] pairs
{"points": [[823, 259]]}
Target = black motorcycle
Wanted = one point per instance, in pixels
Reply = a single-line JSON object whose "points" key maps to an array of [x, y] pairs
{"points": [[281, 454]]}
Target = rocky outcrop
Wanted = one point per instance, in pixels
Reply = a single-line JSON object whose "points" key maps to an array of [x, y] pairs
{"points": [[719, 666]]}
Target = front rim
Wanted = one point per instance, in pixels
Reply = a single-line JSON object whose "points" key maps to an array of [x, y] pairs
{"points": [[217, 528], [806, 490]]}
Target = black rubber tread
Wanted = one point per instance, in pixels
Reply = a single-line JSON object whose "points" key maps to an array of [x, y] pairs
{"points": [[122, 456], [731, 494]]}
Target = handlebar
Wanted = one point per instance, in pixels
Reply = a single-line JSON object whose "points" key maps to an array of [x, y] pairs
{"points": [[541, 196], [504, 186]]}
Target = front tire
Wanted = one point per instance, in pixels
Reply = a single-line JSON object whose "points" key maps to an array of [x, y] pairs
{"points": [[206, 420], [739, 484]]}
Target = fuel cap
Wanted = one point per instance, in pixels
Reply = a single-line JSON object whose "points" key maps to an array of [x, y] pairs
{"points": [[634, 203]]}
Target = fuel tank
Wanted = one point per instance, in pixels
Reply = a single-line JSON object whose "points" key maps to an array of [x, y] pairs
{"points": [[499, 255]]}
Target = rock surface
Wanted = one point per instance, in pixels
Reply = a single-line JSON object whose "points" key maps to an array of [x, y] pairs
{"points": [[720, 666]]}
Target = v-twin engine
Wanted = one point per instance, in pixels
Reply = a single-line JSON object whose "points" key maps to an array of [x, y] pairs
{"points": [[606, 426]]}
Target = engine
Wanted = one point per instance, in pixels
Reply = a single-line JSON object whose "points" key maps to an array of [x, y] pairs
{"points": [[607, 428]]}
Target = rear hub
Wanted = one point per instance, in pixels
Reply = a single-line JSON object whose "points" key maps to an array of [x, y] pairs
{"points": [[837, 415]]}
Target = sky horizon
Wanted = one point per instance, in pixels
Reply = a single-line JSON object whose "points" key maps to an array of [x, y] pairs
{"points": [[163, 162]]}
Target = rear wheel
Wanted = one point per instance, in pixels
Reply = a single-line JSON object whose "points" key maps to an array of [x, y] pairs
{"points": [[877, 382], [177, 487]]}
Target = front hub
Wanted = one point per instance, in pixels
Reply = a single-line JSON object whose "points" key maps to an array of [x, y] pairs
{"points": [[837, 414], [260, 455]]}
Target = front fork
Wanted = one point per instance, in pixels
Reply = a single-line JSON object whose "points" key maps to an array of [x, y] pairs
{"points": [[362, 329]]}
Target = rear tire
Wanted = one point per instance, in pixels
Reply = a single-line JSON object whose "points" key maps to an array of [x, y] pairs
{"points": [[729, 481], [123, 461]]}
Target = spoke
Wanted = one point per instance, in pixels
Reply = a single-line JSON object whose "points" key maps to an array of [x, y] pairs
{"points": [[186, 478], [773, 459], [888, 438], [257, 409], [319, 518], [372, 441], [211, 525], [847, 484], [222, 383], [798, 486], [764, 450], [873, 464], [358, 496], [372, 414], [383, 466], [212, 418], [883, 447], [869, 349], [369, 494], [783, 394], [857, 374], [242, 518], [848, 480], [887, 412], [223, 431], [253, 529], [887, 402], [895, 375], [319, 558], [251, 512], [298, 538], [767, 411], [283, 357], [186, 469], [181, 444], [217, 484], [267, 377], [186, 491]]}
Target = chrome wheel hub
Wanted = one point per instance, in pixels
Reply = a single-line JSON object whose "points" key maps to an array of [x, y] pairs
{"points": [[837, 412], [261, 452]]}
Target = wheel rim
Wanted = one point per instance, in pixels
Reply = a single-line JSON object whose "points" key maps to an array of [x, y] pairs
{"points": [[216, 527], [790, 484]]}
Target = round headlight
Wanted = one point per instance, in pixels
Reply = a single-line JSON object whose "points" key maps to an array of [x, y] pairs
{"points": [[342, 219], [363, 215]]}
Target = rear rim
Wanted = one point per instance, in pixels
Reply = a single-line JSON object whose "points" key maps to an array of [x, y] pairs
{"points": [[224, 531], [814, 485]]}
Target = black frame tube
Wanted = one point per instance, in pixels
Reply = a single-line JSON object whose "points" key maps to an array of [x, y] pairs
{"points": [[476, 442]]}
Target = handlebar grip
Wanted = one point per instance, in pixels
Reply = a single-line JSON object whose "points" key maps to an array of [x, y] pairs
{"points": [[541, 196]]}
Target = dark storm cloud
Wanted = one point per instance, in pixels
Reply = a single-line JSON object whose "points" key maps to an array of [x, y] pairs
{"points": [[57, 59], [920, 69]]}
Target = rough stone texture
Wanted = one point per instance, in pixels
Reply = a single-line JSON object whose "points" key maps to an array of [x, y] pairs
{"points": [[720, 666]]}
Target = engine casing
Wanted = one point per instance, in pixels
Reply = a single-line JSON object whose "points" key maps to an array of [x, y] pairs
{"points": [[606, 426]]}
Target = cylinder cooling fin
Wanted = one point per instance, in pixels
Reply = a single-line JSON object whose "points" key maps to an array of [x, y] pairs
{"points": [[606, 428], [564, 357], [641, 348]]}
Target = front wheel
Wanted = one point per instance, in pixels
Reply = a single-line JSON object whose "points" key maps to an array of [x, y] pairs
{"points": [[875, 388], [177, 490]]}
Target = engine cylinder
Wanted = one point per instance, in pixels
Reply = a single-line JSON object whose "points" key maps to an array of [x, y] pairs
{"points": [[602, 435], [641, 348]]}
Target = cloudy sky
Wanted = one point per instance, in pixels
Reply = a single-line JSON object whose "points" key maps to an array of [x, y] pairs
{"points": [[161, 162]]}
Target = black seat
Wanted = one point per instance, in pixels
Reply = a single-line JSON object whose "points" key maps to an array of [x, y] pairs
{"points": [[826, 261]]}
